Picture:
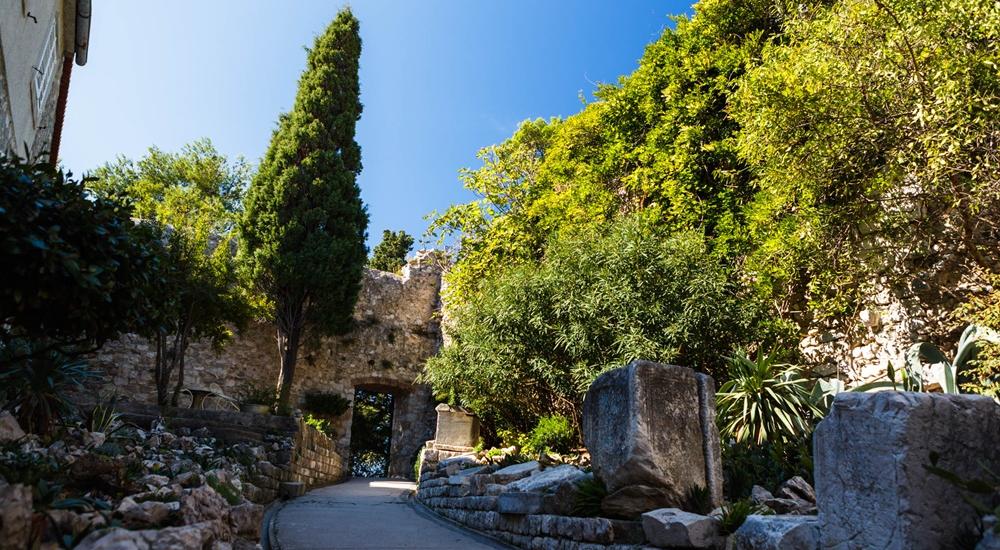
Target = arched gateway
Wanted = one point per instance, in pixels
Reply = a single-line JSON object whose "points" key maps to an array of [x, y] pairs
{"points": [[396, 329]]}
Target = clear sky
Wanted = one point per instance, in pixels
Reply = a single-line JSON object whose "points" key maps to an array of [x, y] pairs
{"points": [[439, 80]]}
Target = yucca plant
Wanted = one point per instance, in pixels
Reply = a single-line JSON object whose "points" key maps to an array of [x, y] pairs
{"points": [[969, 346], [764, 400]]}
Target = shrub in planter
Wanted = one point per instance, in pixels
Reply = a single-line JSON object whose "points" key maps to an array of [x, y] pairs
{"points": [[256, 398], [330, 405]]}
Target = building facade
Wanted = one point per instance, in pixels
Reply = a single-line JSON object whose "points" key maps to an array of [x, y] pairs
{"points": [[39, 42]]}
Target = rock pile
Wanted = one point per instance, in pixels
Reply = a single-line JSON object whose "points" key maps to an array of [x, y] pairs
{"points": [[130, 489]]}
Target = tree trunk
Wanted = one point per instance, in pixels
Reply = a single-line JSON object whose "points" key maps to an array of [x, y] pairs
{"points": [[179, 358], [288, 349], [161, 376]]}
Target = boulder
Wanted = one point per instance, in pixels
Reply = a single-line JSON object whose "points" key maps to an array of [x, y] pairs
{"points": [[198, 535], [10, 430], [778, 533], [291, 489], [653, 426], [872, 487], [793, 506], [515, 472], [548, 480], [632, 501], [15, 516], [798, 489], [673, 528], [246, 519], [202, 504], [759, 494], [151, 513]]}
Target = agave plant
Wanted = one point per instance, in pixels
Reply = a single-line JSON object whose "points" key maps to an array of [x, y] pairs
{"points": [[968, 348], [764, 400]]}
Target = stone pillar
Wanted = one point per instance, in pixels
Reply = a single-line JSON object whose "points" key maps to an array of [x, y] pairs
{"points": [[872, 488], [457, 430], [651, 433]]}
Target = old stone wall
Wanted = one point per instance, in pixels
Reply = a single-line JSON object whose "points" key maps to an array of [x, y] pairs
{"points": [[918, 308], [396, 329]]}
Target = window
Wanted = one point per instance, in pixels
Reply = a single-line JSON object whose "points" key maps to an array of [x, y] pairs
{"points": [[44, 70]]}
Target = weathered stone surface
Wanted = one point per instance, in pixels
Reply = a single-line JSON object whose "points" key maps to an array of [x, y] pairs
{"points": [[15, 516], [199, 535], [463, 476], [515, 472], [797, 488], [519, 503], [870, 451], [456, 428], [150, 513], [547, 480], [632, 501], [202, 504], [245, 519], [452, 465], [759, 494], [10, 430], [653, 425], [778, 533], [673, 528]]}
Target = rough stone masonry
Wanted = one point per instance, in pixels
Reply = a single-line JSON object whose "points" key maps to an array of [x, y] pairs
{"points": [[396, 328]]}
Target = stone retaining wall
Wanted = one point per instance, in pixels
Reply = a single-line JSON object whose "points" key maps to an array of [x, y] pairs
{"points": [[295, 452], [471, 496]]}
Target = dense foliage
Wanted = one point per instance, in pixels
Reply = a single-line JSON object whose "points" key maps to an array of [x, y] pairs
{"points": [[535, 338], [807, 151], [77, 270], [193, 198], [390, 254], [302, 234]]}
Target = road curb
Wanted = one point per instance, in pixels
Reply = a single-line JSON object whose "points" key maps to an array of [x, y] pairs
{"points": [[425, 512]]}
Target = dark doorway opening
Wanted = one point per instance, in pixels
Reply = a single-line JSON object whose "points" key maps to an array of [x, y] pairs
{"points": [[371, 433]]}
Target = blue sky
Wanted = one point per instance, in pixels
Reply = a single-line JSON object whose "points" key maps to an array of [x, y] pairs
{"points": [[439, 80]]}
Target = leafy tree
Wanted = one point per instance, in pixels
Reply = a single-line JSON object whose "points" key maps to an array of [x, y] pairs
{"points": [[194, 197], [536, 336], [77, 270], [872, 128], [302, 236], [390, 254]]}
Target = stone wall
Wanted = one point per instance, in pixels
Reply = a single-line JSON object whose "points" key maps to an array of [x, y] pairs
{"points": [[294, 452], [396, 328], [893, 318]]}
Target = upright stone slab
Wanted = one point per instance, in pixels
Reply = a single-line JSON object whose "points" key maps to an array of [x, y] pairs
{"points": [[650, 429], [872, 489], [457, 430]]}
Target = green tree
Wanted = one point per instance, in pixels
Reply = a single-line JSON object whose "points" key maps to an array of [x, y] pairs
{"points": [[535, 338], [302, 235], [390, 254], [193, 197]]}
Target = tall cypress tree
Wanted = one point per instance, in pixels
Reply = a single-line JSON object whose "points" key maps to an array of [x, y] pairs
{"points": [[304, 226]]}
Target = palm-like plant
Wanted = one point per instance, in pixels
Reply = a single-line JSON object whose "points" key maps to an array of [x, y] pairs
{"points": [[968, 348], [764, 400]]}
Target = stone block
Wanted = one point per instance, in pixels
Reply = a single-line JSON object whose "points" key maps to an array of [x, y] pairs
{"points": [[778, 533], [673, 528], [10, 430], [15, 516], [456, 428], [291, 489], [653, 426], [872, 487], [515, 472], [520, 503], [547, 480]]}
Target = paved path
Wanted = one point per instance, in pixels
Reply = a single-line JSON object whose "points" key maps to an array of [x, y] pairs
{"points": [[365, 513]]}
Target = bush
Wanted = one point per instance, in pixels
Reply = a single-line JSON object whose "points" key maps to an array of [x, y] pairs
{"points": [[734, 514], [36, 386], [552, 434], [321, 424], [77, 271], [764, 400], [325, 404], [590, 492], [531, 342], [252, 393]]}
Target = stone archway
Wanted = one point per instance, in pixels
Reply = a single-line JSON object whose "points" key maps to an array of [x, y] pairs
{"points": [[413, 419]]}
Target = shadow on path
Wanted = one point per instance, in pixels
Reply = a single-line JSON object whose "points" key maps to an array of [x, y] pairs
{"points": [[365, 513]]}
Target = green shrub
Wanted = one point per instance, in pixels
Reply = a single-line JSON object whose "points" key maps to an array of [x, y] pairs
{"points": [[252, 393], [325, 404], [226, 489], [36, 386], [321, 424], [590, 492], [552, 434], [764, 400], [734, 514]]}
